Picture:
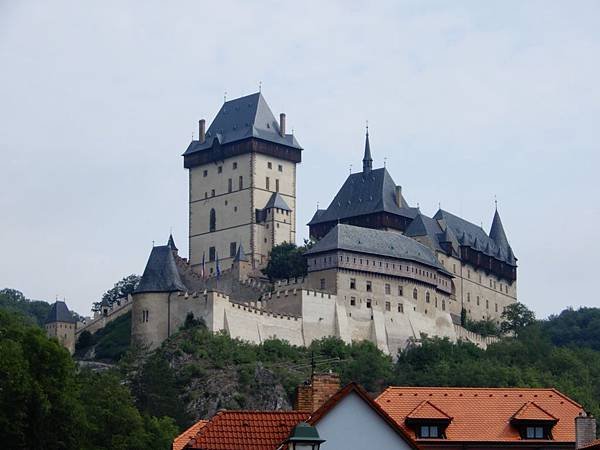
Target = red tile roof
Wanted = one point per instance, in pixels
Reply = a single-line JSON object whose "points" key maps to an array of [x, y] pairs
{"points": [[180, 441], [483, 414], [427, 410], [594, 445], [532, 411], [247, 430]]}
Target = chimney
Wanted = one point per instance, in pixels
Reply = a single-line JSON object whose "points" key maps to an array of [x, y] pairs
{"points": [[311, 395], [585, 430], [399, 196], [282, 124], [202, 134]]}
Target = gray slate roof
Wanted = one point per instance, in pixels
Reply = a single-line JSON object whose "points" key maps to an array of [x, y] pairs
{"points": [[161, 274], [277, 201], [426, 227], [365, 193], [60, 313], [376, 242], [242, 118], [473, 236], [171, 242]]}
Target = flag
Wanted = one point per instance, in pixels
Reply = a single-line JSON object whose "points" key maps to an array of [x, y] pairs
{"points": [[218, 267], [203, 267]]}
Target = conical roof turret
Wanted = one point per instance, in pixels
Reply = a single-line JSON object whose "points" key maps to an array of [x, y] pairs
{"points": [[367, 159], [497, 233]]}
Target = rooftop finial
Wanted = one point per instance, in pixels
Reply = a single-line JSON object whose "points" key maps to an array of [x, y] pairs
{"points": [[367, 159], [225, 97], [496, 202], [260, 86]]}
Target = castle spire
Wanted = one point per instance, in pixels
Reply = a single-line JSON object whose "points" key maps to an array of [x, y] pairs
{"points": [[171, 243], [497, 232], [367, 159]]}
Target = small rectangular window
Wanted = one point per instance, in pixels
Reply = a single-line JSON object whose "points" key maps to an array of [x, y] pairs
{"points": [[400, 291], [229, 185], [277, 185], [220, 169], [234, 165], [322, 283], [267, 183], [212, 192], [400, 308], [369, 286], [270, 165], [280, 168], [205, 173], [352, 283], [352, 301], [368, 303], [241, 183], [232, 249], [388, 306], [388, 289], [211, 254]]}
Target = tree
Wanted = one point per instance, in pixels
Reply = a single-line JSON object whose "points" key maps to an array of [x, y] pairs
{"points": [[516, 317], [15, 301], [286, 261], [121, 289]]}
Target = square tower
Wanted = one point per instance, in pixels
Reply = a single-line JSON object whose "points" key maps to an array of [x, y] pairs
{"points": [[242, 185]]}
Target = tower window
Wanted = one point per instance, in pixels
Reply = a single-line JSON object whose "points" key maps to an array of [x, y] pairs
{"points": [[352, 301], [388, 289], [220, 169], [352, 283], [232, 249], [369, 287], [270, 165], [277, 185], [234, 165], [241, 182], [322, 283], [212, 192], [427, 297], [280, 168], [267, 183], [205, 173], [443, 305], [400, 291], [388, 306], [213, 220], [212, 254], [400, 308], [415, 294], [368, 303], [229, 185]]}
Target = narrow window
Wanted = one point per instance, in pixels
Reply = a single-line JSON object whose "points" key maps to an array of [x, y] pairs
{"points": [[369, 287], [400, 308], [487, 304], [213, 220], [211, 254], [469, 297], [280, 168], [241, 182], [400, 291], [212, 192], [220, 169], [205, 173], [427, 297], [368, 303], [352, 301], [388, 306], [322, 283], [478, 300], [496, 307], [443, 305], [229, 185], [388, 289], [415, 294], [234, 165], [276, 184], [270, 165], [267, 184], [454, 268], [232, 249], [352, 283]]}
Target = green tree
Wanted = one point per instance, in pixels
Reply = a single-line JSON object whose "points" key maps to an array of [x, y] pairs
{"points": [[516, 317], [121, 289], [286, 261], [14, 301]]}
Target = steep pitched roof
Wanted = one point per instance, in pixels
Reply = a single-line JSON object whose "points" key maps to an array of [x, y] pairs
{"points": [[171, 243], [355, 388], [277, 201], [376, 242], [243, 118], [180, 441], [367, 158], [160, 274], [423, 226], [482, 414], [473, 236], [365, 193], [247, 430], [60, 313]]}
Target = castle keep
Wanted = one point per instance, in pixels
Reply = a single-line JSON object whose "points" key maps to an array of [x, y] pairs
{"points": [[380, 269]]}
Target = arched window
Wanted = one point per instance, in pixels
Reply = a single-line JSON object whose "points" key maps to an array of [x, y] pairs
{"points": [[213, 220], [415, 295], [427, 297]]}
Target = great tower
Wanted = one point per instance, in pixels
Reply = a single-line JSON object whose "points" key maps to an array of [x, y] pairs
{"points": [[242, 184]]}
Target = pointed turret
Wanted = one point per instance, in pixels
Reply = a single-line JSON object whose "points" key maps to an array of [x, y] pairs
{"points": [[171, 243], [497, 233], [367, 159]]}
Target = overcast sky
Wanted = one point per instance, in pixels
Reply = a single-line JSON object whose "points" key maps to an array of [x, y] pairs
{"points": [[466, 100]]}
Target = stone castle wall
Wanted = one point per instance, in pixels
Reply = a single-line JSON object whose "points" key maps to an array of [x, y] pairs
{"points": [[100, 320]]}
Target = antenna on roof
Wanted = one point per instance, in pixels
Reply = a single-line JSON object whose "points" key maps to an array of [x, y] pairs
{"points": [[224, 96], [439, 205], [153, 243], [260, 86], [384, 161], [317, 205], [496, 202], [192, 135], [350, 169]]}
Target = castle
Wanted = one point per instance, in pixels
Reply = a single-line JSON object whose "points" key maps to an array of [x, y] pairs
{"points": [[379, 270]]}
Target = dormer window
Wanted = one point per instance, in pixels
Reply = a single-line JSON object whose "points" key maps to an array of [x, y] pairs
{"points": [[536, 433], [429, 432], [534, 422], [428, 421]]}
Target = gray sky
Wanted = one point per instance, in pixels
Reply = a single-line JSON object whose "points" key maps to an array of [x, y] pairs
{"points": [[466, 100]]}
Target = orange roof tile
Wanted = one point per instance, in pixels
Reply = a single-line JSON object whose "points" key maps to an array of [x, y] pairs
{"points": [[247, 430], [180, 441], [427, 410], [532, 411], [594, 445], [483, 414]]}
